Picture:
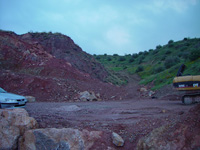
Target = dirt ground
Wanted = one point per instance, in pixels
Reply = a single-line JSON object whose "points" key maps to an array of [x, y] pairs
{"points": [[132, 119]]}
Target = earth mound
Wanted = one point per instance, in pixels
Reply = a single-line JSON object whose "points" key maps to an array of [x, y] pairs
{"points": [[50, 67]]}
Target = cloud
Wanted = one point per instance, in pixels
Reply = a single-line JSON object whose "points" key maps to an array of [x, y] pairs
{"points": [[118, 36], [179, 6], [101, 15]]}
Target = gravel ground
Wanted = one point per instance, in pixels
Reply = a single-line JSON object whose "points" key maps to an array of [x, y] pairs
{"points": [[132, 119]]}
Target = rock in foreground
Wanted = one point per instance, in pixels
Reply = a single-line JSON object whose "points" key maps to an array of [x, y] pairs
{"points": [[117, 139], [13, 124], [52, 138]]}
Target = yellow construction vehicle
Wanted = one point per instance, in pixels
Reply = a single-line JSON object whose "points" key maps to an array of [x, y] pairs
{"points": [[189, 85]]}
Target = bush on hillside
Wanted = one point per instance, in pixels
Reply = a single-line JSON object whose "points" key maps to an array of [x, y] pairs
{"points": [[170, 41], [188, 43], [171, 61], [140, 69], [150, 50], [155, 51], [141, 59], [122, 59], [163, 58], [140, 53], [145, 53], [183, 48], [131, 60], [158, 69], [135, 55], [125, 67], [98, 57], [171, 45], [184, 55], [109, 59], [195, 54], [158, 47], [168, 52]]}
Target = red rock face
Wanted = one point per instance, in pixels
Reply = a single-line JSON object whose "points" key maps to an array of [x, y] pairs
{"points": [[63, 47], [49, 67]]}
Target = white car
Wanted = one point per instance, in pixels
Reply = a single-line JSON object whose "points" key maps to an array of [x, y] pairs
{"points": [[11, 100]]}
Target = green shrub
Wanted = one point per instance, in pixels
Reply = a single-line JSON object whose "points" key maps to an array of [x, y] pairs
{"points": [[141, 59], [140, 53], [195, 54], [171, 45], [145, 53], [163, 58], [135, 55], [168, 52], [140, 69], [125, 67], [158, 47], [109, 59], [170, 42], [183, 48], [98, 57], [185, 39], [188, 43], [155, 51], [171, 61], [131, 60], [150, 50], [158, 69], [184, 55], [122, 59]]}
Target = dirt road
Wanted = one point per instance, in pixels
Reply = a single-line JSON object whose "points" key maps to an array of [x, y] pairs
{"points": [[131, 119]]}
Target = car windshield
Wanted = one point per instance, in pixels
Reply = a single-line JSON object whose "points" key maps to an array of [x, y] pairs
{"points": [[2, 90]]}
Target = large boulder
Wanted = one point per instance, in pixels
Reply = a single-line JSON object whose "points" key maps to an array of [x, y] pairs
{"points": [[87, 96], [183, 134], [30, 99], [52, 138], [13, 124]]}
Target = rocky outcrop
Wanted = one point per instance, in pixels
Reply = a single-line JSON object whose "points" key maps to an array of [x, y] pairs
{"points": [[63, 47], [52, 138], [184, 134], [30, 99], [88, 96], [13, 124], [117, 139], [50, 67]]}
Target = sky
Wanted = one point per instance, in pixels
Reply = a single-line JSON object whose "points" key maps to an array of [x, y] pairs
{"points": [[106, 26]]}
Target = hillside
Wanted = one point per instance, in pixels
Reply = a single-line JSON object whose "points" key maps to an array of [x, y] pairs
{"points": [[156, 67], [63, 47], [50, 67]]}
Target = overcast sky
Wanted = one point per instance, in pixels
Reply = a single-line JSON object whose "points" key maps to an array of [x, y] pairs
{"points": [[106, 26]]}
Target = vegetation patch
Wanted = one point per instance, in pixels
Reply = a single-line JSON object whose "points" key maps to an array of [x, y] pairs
{"points": [[159, 65]]}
